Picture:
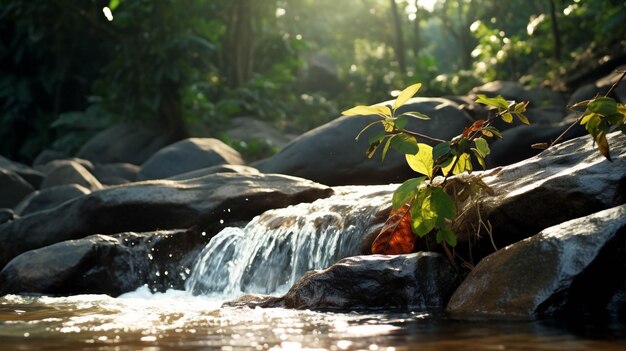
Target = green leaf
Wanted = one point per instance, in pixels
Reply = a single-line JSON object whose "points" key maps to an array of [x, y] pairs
{"points": [[405, 144], [586, 118], [422, 161], [372, 149], [497, 101], [603, 106], [446, 235], [406, 192], [440, 150], [416, 114], [443, 205], [386, 147], [522, 118], [463, 164], [493, 131], [520, 107], [113, 4], [480, 158], [603, 145], [482, 146], [365, 128], [362, 110], [507, 117], [423, 218], [401, 122], [406, 94], [376, 137]]}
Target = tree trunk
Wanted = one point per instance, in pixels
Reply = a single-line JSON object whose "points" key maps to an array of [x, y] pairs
{"points": [[170, 109], [399, 39], [555, 31], [417, 40], [239, 43]]}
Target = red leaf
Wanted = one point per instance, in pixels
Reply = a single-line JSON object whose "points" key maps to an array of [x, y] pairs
{"points": [[396, 236], [474, 127]]}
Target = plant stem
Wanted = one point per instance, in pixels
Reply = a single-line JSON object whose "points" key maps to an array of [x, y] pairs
{"points": [[581, 116], [417, 135]]}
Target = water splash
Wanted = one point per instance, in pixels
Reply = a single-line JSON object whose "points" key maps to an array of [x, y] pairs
{"points": [[276, 248]]}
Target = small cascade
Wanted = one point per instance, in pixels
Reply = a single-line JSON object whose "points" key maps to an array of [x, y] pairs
{"points": [[275, 249]]}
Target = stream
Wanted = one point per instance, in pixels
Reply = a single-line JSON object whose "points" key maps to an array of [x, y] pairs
{"points": [[267, 256]]}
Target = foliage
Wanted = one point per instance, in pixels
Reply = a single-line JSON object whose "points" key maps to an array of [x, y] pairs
{"points": [[190, 68], [428, 203], [603, 115]]}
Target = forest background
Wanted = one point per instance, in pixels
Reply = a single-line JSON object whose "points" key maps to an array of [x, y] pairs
{"points": [[71, 68]]}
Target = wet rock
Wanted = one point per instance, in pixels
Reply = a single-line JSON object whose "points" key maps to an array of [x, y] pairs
{"points": [[563, 269], [329, 154], [49, 198], [115, 173], [125, 143], [189, 155], [13, 188], [102, 264], [422, 280], [211, 202], [248, 129], [33, 177], [600, 88], [47, 156], [516, 144], [52, 165], [6, 215], [239, 169], [70, 172], [546, 115], [568, 181]]}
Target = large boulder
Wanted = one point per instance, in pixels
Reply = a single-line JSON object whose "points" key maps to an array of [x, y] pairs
{"points": [[102, 264], [49, 198], [115, 173], [46, 156], [567, 181], [32, 176], [248, 129], [6, 215], [189, 155], [516, 143], [70, 172], [211, 202], [573, 268], [13, 188], [422, 280], [600, 87], [515, 91], [329, 154], [240, 169], [124, 142]]}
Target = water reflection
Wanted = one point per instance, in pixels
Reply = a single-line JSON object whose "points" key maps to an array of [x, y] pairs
{"points": [[177, 320]]}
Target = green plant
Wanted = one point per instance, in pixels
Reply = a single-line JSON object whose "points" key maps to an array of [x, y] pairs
{"points": [[602, 115], [430, 204]]}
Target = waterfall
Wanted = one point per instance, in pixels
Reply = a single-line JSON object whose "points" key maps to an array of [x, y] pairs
{"points": [[276, 248]]}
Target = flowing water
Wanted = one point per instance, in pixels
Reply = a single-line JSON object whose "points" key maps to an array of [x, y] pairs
{"points": [[267, 256]]}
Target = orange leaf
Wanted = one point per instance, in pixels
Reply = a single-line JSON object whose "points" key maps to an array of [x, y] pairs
{"points": [[477, 125], [396, 236]]}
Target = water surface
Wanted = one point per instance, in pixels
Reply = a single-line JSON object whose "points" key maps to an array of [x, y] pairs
{"points": [[176, 320]]}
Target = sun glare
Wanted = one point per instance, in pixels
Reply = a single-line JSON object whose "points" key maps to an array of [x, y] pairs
{"points": [[428, 5]]}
